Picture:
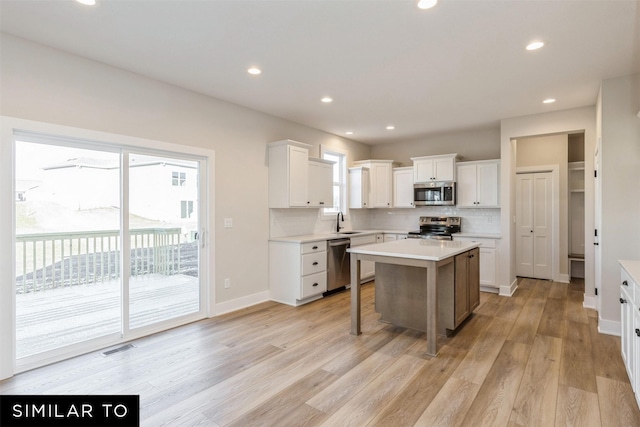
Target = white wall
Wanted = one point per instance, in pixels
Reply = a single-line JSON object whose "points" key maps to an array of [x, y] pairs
{"points": [[47, 85], [565, 121], [619, 130]]}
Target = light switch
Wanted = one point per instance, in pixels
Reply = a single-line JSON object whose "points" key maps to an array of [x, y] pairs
{"points": [[228, 222]]}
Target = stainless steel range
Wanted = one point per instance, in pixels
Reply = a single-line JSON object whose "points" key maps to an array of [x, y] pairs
{"points": [[437, 227]]}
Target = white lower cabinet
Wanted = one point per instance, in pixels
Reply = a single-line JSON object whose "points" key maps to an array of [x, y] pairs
{"points": [[488, 261], [297, 271], [367, 268], [630, 322], [393, 236]]}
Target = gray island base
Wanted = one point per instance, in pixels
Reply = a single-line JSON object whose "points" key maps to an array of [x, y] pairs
{"points": [[426, 285]]}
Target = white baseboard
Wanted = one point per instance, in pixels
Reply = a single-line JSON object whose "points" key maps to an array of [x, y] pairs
{"points": [[507, 291], [491, 289], [609, 327], [563, 278], [589, 302], [240, 303]]}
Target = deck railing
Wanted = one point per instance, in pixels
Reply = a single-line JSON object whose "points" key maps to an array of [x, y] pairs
{"points": [[52, 260]]}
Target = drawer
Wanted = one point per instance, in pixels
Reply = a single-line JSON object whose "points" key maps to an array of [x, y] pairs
{"points": [[629, 288], [363, 240], [314, 263], [313, 284], [311, 247], [484, 243]]}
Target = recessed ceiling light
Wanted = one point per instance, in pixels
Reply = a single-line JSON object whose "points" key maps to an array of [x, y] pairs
{"points": [[87, 2], [349, 132], [254, 70], [535, 45], [391, 127], [327, 99], [427, 4], [549, 101]]}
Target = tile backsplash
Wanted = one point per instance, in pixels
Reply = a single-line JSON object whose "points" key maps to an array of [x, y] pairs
{"points": [[486, 221], [294, 222]]}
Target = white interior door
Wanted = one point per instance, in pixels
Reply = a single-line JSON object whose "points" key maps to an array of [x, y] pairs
{"points": [[542, 226], [597, 255], [534, 250], [524, 225]]}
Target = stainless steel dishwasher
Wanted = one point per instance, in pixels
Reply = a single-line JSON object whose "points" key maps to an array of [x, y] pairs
{"points": [[338, 264]]}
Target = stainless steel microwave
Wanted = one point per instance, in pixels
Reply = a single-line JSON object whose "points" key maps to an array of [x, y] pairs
{"points": [[442, 193]]}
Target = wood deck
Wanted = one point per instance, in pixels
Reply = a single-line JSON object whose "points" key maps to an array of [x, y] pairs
{"points": [[58, 317], [535, 359]]}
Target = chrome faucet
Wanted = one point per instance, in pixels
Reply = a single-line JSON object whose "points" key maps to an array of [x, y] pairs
{"points": [[338, 222]]}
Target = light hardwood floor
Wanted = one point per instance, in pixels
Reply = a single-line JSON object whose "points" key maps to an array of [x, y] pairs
{"points": [[535, 359]]}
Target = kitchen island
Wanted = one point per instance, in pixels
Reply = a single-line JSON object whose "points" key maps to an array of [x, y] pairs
{"points": [[412, 275]]}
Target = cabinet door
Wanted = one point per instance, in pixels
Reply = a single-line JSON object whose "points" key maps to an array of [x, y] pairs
{"points": [[444, 169], [423, 171], [473, 279], [298, 176], [627, 330], [466, 186], [487, 267], [380, 190], [359, 188], [320, 184], [403, 188], [367, 270], [461, 291], [634, 351], [487, 184]]}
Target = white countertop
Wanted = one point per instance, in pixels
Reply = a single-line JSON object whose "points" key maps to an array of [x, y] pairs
{"points": [[422, 249], [479, 235], [305, 238], [632, 267]]}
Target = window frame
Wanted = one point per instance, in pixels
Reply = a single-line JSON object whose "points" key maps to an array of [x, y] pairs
{"points": [[344, 187], [33, 131]]}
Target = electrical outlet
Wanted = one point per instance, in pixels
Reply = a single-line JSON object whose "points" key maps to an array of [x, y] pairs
{"points": [[228, 222], [227, 283]]}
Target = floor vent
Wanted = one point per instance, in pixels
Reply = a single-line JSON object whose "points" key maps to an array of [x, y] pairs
{"points": [[118, 350]]}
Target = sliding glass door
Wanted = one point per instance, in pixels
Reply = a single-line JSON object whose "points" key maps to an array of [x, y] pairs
{"points": [[67, 213], [163, 229], [107, 245]]}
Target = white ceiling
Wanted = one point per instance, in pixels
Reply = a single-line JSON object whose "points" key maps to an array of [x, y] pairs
{"points": [[460, 65]]}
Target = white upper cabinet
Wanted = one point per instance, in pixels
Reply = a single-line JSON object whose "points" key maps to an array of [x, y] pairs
{"points": [[403, 187], [380, 182], [288, 174], [478, 184], [320, 183], [295, 181], [434, 168], [359, 188]]}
